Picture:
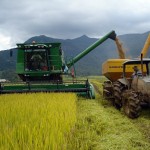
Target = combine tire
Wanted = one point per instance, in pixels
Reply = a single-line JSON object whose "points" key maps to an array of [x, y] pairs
{"points": [[117, 95], [131, 105]]}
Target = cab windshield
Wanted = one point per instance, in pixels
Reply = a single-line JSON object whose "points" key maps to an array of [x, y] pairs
{"points": [[35, 60]]}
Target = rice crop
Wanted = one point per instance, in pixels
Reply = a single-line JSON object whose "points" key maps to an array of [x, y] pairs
{"points": [[101, 127], [36, 121]]}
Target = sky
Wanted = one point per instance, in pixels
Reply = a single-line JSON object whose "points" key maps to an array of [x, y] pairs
{"points": [[68, 19]]}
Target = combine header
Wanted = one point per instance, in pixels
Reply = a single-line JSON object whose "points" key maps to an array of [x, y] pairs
{"points": [[41, 67]]}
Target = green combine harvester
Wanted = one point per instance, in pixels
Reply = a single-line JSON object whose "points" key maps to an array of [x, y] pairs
{"points": [[41, 67]]}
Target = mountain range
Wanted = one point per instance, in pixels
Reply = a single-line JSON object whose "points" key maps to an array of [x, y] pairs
{"points": [[92, 62]]}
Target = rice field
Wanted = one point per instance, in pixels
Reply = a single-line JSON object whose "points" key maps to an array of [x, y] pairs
{"points": [[65, 122], [36, 121], [101, 127]]}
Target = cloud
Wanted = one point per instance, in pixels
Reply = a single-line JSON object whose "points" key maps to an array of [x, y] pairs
{"points": [[4, 42], [19, 20]]}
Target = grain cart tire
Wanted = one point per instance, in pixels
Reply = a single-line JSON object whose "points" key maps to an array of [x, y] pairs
{"points": [[107, 90], [131, 105], [117, 95]]}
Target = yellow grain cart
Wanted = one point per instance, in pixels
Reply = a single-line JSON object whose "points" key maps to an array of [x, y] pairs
{"points": [[122, 88], [112, 69]]}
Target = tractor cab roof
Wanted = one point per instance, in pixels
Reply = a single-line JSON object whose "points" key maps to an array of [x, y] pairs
{"points": [[132, 62]]}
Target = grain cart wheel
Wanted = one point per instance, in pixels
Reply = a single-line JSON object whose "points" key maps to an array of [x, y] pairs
{"points": [[107, 90], [131, 105], [117, 95]]}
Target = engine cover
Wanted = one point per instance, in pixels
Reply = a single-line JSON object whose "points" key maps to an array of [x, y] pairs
{"points": [[142, 86]]}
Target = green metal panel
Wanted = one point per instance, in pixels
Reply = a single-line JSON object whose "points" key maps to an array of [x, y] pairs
{"points": [[54, 57], [20, 61]]}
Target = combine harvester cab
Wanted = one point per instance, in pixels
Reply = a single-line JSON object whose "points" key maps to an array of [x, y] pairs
{"points": [[41, 67]]}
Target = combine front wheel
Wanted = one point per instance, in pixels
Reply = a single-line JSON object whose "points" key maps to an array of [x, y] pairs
{"points": [[131, 105]]}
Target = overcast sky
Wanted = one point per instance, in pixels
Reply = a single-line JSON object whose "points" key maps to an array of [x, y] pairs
{"points": [[22, 19]]}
